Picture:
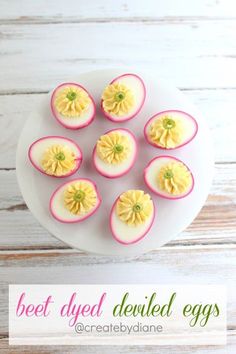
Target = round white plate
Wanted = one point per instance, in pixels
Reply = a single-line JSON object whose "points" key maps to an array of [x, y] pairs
{"points": [[93, 235]]}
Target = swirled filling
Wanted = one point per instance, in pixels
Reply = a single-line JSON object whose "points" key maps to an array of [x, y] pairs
{"points": [[80, 198], [113, 147], [166, 132], [58, 160], [134, 207], [174, 178], [72, 101], [117, 99]]}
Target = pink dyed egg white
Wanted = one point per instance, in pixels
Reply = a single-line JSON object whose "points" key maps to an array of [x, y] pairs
{"points": [[126, 234], [117, 170], [151, 177], [38, 148], [189, 124], [79, 121], [136, 85], [61, 213]]}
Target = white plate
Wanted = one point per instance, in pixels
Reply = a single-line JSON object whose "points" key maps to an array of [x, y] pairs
{"points": [[93, 235]]}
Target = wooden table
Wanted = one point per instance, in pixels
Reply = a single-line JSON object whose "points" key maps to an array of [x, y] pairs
{"points": [[192, 43]]}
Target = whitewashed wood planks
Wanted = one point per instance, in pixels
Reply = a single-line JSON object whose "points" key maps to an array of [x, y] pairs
{"points": [[185, 52], [122, 349], [55, 10]]}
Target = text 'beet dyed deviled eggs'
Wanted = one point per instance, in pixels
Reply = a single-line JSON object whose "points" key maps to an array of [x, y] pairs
{"points": [[72, 106], [123, 98], [55, 156], [132, 216], [169, 177], [170, 129], [75, 201], [115, 153]]}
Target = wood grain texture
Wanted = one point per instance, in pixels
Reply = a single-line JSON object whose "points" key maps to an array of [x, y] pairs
{"points": [[178, 263], [78, 10], [121, 349], [190, 54], [218, 106]]}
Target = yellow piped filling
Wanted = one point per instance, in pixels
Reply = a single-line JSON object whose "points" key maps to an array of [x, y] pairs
{"points": [[113, 147], [72, 101], [118, 99], [174, 178], [134, 207], [80, 198], [166, 132], [58, 160]]}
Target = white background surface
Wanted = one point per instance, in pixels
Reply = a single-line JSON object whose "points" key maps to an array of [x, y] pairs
{"points": [[191, 43], [93, 234]]}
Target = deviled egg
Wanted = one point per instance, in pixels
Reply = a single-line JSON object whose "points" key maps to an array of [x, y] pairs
{"points": [[170, 129], [169, 177], [132, 216], [115, 152], [72, 105], [55, 156], [75, 201], [123, 98]]}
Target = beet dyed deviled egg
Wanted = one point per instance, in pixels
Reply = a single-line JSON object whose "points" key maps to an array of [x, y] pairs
{"points": [[72, 106], [55, 156], [169, 177], [115, 153], [170, 129], [75, 201], [132, 216], [123, 98]]}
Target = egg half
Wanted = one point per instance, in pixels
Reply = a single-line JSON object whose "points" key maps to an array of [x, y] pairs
{"points": [[72, 106], [132, 216], [75, 201], [169, 177], [55, 156], [115, 152], [123, 98], [170, 129]]}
